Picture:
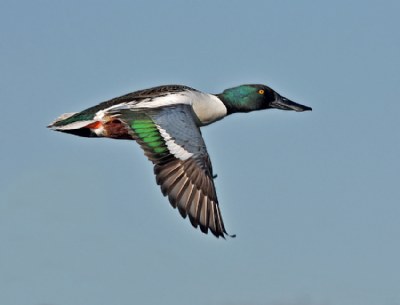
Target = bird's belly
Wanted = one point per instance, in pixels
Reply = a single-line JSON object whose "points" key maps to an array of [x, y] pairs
{"points": [[116, 129]]}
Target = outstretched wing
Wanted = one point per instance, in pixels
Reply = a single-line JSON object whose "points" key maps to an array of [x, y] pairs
{"points": [[171, 139]]}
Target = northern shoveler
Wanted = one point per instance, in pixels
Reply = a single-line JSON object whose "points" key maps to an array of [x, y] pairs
{"points": [[166, 122]]}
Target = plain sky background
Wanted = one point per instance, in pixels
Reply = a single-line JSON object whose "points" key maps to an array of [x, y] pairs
{"points": [[314, 197]]}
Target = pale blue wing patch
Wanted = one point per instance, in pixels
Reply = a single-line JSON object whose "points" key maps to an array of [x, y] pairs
{"points": [[184, 170]]}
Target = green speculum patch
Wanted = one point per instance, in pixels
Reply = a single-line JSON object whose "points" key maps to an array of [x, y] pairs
{"points": [[149, 134]]}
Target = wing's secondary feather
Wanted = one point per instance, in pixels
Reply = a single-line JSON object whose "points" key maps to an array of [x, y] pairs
{"points": [[171, 139]]}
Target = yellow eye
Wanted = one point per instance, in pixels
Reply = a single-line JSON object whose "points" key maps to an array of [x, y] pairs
{"points": [[261, 91]]}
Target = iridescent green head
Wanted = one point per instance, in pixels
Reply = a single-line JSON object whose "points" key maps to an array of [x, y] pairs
{"points": [[246, 98]]}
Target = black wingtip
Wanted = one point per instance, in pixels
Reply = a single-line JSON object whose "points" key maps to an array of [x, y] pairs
{"points": [[223, 234], [230, 235]]}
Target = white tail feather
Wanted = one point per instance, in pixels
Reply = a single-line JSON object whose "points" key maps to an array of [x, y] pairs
{"points": [[62, 117], [73, 125]]}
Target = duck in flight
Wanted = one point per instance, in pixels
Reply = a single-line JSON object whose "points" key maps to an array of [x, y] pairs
{"points": [[166, 122]]}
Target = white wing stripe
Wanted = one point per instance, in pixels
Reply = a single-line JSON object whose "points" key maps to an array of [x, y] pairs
{"points": [[178, 151]]}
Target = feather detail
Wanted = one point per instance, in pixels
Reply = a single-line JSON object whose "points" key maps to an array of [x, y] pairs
{"points": [[162, 121]]}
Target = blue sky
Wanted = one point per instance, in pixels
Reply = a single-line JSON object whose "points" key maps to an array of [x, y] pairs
{"points": [[313, 197]]}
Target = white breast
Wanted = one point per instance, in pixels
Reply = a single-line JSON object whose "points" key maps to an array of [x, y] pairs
{"points": [[207, 107]]}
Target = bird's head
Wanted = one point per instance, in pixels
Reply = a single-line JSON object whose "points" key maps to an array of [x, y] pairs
{"points": [[246, 98]]}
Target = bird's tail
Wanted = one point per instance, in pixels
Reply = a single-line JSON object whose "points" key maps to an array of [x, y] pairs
{"points": [[73, 123]]}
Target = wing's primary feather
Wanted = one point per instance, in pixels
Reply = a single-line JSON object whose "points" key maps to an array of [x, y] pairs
{"points": [[171, 139]]}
